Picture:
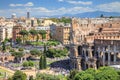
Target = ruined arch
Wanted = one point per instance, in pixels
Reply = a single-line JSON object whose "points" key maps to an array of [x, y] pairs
{"points": [[112, 56], [106, 56], [79, 50], [5, 58]]}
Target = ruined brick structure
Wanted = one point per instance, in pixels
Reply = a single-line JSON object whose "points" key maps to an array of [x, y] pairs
{"points": [[95, 42]]}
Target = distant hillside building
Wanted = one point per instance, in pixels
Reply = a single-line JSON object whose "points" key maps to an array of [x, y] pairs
{"points": [[6, 29]]}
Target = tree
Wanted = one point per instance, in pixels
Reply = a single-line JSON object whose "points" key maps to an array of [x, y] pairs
{"points": [[31, 78], [83, 76], [35, 52], [51, 53], [103, 73], [43, 34], [106, 73], [43, 76], [19, 75], [43, 62], [72, 74], [23, 33], [21, 49], [18, 40], [3, 46], [31, 63], [28, 64], [10, 78], [65, 20], [10, 40], [18, 56], [25, 64], [44, 55], [33, 33]]}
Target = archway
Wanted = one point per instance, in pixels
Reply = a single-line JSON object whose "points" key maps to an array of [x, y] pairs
{"points": [[91, 66], [98, 63], [5, 58], [83, 64], [79, 50], [86, 53], [1, 59], [96, 54], [86, 66], [118, 56], [106, 56], [112, 57]]}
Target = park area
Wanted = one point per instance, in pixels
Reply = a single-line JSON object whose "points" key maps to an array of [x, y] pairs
{"points": [[40, 43]]}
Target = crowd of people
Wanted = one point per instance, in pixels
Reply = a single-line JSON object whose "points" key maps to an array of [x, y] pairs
{"points": [[61, 67]]}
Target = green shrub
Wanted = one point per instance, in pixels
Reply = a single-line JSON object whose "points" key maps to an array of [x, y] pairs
{"points": [[21, 49]]}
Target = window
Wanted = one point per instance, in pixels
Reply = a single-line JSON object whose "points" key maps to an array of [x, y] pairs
{"points": [[110, 26], [102, 25], [100, 29]]}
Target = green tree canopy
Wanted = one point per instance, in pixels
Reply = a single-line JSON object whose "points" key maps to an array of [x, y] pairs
{"points": [[106, 73], [33, 33], [103, 73], [3, 46], [42, 33], [51, 53], [28, 64], [17, 55], [23, 33], [19, 75], [35, 52]]}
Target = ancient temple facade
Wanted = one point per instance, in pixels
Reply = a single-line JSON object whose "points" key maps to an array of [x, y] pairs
{"points": [[94, 42]]}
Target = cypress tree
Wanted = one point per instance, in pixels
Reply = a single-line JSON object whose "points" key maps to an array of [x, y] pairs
{"points": [[41, 65], [3, 46], [45, 63]]}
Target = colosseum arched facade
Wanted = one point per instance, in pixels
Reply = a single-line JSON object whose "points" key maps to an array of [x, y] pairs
{"points": [[95, 42]]}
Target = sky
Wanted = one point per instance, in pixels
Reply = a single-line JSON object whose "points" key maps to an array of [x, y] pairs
{"points": [[56, 7]]}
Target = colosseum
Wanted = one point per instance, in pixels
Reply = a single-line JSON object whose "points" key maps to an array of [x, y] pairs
{"points": [[94, 42]]}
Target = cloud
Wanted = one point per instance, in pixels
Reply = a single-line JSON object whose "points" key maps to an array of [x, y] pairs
{"points": [[76, 2], [109, 7], [29, 4], [80, 2], [60, 0], [42, 11], [19, 5]]}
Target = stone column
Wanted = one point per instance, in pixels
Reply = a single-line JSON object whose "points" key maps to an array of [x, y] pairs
{"points": [[75, 51], [109, 55], [115, 54], [109, 58], [85, 66], [21, 60], [85, 53], [90, 53], [78, 63], [98, 52], [103, 56], [95, 65], [114, 57]]}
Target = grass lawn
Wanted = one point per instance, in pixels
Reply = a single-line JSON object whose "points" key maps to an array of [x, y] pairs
{"points": [[53, 43], [4, 72], [50, 43], [37, 43]]}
